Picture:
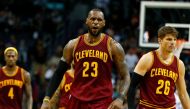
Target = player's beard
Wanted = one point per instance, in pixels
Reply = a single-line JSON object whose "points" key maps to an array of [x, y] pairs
{"points": [[10, 65], [93, 33]]}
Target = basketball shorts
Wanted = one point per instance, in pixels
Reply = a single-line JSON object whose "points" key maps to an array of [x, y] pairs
{"points": [[75, 103]]}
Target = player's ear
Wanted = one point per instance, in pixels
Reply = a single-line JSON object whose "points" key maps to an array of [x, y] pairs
{"points": [[17, 57], [86, 22], [159, 40], [104, 22]]}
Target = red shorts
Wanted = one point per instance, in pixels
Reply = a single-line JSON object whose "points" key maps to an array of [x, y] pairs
{"points": [[75, 103]]}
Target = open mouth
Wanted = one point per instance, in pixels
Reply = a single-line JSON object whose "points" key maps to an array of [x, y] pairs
{"points": [[94, 27], [171, 47]]}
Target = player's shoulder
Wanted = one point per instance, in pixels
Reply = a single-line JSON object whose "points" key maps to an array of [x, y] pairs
{"points": [[148, 54], [70, 72], [73, 42], [147, 57], [113, 43], [25, 74], [180, 62], [106, 35], [181, 67], [23, 70]]}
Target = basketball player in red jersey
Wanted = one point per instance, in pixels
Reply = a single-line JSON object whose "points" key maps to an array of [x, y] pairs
{"points": [[159, 72], [62, 95], [93, 53], [14, 80]]}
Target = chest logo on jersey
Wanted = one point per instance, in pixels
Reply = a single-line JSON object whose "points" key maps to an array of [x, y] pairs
{"points": [[164, 72], [67, 87], [91, 53], [9, 82]]}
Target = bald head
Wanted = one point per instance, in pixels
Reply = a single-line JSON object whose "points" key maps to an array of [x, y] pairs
{"points": [[95, 10], [95, 22]]}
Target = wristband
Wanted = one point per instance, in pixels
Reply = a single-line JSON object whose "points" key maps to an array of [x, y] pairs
{"points": [[46, 99]]}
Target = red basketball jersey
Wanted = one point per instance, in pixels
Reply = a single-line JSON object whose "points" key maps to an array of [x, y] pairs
{"points": [[93, 66], [158, 86], [11, 89], [65, 88]]}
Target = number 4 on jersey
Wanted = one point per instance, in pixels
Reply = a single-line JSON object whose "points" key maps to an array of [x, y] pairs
{"points": [[11, 94]]}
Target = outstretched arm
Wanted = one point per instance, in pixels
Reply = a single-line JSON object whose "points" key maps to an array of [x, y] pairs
{"points": [[118, 56], [28, 90]]}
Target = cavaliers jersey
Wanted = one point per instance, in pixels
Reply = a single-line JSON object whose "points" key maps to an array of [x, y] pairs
{"points": [[65, 87], [93, 66], [11, 89], [158, 85]]}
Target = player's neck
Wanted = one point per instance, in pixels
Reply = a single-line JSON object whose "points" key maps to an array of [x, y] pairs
{"points": [[164, 55], [92, 39], [10, 68]]}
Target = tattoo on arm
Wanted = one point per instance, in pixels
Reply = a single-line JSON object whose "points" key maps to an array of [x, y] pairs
{"points": [[55, 99], [120, 63]]}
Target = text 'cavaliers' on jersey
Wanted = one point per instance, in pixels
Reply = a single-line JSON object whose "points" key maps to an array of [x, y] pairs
{"points": [[93, 66], [158, 92], [65, 88]]}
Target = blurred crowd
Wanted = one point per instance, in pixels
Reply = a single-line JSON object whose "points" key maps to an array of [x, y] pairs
{"points": [[39, 29]]}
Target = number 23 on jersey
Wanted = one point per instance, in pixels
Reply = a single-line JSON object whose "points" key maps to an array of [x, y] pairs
{"points": [[87, 66]]}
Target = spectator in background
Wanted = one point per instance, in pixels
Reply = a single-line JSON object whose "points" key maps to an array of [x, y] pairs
{"points": [[2, 48], [131, 58], [52, 63]]}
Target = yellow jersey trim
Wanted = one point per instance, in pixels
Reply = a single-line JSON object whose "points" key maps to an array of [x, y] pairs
{"points": [[153, 106], [178, 69], [108, 47], [71, 72], [10, 75], [22, 75], [62, 107], [152, 62], [163, 61], [95, 43], [63, 82], [75, 46]]}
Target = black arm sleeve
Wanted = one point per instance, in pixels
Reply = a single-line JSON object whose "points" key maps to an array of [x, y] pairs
{"points": [[136, 78], [57, 77]]}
